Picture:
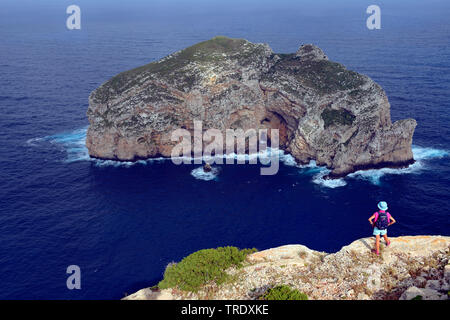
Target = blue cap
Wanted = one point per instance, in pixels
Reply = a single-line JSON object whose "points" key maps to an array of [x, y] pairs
{"points": [[382, 205]]}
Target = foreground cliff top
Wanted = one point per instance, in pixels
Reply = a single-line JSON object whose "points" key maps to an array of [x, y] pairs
{"points": [[324, 112], [412, 266]]}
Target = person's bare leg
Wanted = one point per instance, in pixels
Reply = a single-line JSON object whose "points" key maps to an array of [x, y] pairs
{"points": [[377, 243], [386, 239]]}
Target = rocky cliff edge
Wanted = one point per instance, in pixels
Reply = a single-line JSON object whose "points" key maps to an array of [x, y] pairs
{"points": [[412, 267]]}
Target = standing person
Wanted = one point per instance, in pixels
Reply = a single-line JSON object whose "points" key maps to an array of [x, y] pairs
{"points": [[382, 220]]}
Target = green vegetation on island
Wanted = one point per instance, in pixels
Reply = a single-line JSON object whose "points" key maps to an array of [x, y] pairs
{"points": [[337, 117], [206, 54]]}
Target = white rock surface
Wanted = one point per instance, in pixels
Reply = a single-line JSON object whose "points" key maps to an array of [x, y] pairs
{"points": [[422, 293]]}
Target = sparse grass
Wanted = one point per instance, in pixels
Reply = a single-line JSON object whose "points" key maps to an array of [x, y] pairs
{"points": [[283, 292], [324, 76], [354, 256], [337, 117], [361, 287], [391, 271], [212, 51], [302, 254]]}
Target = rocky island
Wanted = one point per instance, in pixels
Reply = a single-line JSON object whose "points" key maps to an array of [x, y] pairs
{"points": [[324, 112]]}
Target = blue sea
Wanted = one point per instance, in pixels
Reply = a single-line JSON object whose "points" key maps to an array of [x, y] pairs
{"points": [[122, 223]]}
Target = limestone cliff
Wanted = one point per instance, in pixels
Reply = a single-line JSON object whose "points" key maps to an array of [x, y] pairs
{"points": [[324, 112], [412, 267]]}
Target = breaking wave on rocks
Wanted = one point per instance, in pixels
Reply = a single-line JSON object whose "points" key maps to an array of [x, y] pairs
{"points": [[73, 143], [200, 174], [374, 176], [421, 154]]}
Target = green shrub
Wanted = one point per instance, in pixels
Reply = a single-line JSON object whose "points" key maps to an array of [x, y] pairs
{"points": [[284, 292], [202, 267], [337, 117]]}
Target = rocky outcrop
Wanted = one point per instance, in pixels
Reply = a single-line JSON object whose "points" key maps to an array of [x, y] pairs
{"points": [[323, 111], [412, 267], [207, 167]]}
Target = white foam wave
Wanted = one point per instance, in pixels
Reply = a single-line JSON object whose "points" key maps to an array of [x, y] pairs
{"points": [[318, 175], [420, 154], [73, 143], [423, 153], [200, 174], [329, 183], [375, 176], [287, 159], [34, 142]]}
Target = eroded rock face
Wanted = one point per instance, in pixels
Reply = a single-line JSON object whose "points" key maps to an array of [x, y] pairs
{"points": [[324, 112]]}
